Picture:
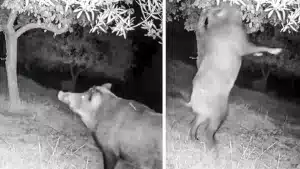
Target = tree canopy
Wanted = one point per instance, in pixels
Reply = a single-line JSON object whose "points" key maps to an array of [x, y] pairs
{"points": [[255, 13], [59, 16], [117, 16]]}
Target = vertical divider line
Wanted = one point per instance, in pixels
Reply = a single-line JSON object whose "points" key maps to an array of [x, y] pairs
{"points": [[164, 83]]}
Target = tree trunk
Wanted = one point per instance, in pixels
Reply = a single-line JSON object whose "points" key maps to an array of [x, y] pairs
{"points": [[75, 73], [261, 84], [11, 68], [74, 81], [11, 40], [74, 78]]}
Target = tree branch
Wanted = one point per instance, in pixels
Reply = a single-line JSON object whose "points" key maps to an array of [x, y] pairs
{"points": [[50, 27], [262, 70], [71, 69], [266, 72], [17, 27], [81, 70], [11, 19], [78, 73]]}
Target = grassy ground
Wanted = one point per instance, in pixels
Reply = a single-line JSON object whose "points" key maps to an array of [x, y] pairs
{"points": [[43, 134], [258, 134]]}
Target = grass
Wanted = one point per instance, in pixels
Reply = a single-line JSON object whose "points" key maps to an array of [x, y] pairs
{"points": [[43, 134], [256, 135]]}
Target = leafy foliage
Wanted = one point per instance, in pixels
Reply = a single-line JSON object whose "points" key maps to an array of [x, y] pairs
{"points": [[113, 54], [255, 13], [77, 53], [102, 16]]}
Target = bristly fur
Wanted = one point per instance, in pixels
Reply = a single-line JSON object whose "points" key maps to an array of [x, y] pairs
{"points": [[122, 129]]}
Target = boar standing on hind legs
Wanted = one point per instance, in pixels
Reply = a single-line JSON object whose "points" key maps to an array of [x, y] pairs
{"points": [[225, 44], [122, 129]]}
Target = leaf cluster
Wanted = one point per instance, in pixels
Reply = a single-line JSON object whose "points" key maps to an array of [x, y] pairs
{"points": [[255, 13], [75, 50], [101, 15]]}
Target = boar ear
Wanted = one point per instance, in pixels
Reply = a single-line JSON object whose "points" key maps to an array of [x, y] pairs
{"points": [[107, 86]]}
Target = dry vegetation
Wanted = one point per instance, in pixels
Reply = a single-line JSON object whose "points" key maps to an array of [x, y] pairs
{"points": [[43, 134], [256, 135]]}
